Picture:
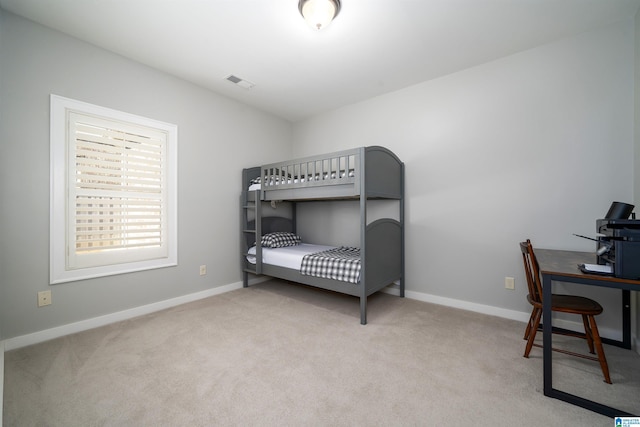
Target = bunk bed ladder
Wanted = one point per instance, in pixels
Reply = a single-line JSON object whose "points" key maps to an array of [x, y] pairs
{"points": [[246, 206]]}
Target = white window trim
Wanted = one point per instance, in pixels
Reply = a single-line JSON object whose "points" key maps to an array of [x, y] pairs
{"points": [[58, 271]]}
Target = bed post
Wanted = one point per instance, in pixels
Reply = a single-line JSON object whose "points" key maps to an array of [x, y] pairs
{"points": [[402, 279], [363, 233]]}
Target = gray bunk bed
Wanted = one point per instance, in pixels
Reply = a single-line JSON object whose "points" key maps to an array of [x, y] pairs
{"points": [[365, 173]]}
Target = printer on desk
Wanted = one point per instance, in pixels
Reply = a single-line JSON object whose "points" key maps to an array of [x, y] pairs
{"points": [[618, 242]]}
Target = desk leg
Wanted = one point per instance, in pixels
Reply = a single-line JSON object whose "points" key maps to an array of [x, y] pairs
{"points": [[547, 334], [626, 319], [626, 323]]}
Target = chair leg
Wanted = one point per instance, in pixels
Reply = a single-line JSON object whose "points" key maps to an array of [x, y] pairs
{"points": [[529, 324], [588, 333], [600, 350], [537, 315]]}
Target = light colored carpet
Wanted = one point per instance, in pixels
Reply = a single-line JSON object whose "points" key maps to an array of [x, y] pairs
{"points": [[286, 355]]}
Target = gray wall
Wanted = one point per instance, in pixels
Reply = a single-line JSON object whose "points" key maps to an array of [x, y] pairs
{"points": [[217, 138], [535, 145]]}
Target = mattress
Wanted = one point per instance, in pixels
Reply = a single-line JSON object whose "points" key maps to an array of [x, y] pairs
{"points": [[288, 257], [255, 184]]}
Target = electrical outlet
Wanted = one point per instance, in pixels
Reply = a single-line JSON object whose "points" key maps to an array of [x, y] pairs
{"points": [[203, 270], [509, 283], [44, 298]]}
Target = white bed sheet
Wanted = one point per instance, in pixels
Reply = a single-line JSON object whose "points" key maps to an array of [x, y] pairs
{"points": [[288, 257]]}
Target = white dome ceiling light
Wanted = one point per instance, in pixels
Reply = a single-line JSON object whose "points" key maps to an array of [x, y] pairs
{"points": [[319, 13]]}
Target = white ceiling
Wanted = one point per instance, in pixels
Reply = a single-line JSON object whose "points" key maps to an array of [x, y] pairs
{"points": [[372, 47]]}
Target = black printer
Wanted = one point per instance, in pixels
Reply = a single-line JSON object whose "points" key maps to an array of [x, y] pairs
{"points": [[618, 242]]}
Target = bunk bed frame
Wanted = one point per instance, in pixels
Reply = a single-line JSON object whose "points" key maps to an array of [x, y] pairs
{"points": [[363, 174]]}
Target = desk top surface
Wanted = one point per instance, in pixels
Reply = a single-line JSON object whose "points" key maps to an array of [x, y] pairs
{"points": [[565, 263]]}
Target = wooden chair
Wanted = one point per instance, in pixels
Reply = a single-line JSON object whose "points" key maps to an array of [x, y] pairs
{"points": [[585, 307]]}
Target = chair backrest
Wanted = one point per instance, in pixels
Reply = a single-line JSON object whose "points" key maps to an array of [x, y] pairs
{"points": [[531, 270]]}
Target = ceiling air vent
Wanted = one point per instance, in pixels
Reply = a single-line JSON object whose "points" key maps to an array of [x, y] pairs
{"points": [[239, 82]]}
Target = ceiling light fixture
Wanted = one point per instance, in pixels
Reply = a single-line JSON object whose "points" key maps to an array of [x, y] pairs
{"points": [[319, 13]]}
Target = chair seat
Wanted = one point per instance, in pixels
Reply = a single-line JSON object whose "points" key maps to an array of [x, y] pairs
{"points": [[571, 304]]}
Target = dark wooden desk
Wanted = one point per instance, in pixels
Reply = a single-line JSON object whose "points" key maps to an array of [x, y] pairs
{"points": [[562, 266]]}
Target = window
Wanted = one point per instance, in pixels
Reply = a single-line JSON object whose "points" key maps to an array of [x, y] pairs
{"points": [[113, 192]]}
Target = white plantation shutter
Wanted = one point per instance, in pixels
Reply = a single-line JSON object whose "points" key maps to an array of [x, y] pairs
{"points": [[115, 192], [118, 203]]}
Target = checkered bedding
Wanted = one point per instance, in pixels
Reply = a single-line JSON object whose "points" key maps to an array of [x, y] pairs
{"points": [[341, 263], [280, 239]]}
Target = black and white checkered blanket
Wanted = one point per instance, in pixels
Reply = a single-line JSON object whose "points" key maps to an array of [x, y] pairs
{"points": [[341, 263]]}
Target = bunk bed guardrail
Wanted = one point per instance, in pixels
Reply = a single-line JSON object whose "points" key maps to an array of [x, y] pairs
{"points": [[340, 168], [335, 175]]}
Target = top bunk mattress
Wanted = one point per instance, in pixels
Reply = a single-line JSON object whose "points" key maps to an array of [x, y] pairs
{"points": [[273, 180]]}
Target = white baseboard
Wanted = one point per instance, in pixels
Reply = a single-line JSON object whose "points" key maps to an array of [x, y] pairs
{"points": [[470, 306], [48, 334], [83, 325], [520, 316]]}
